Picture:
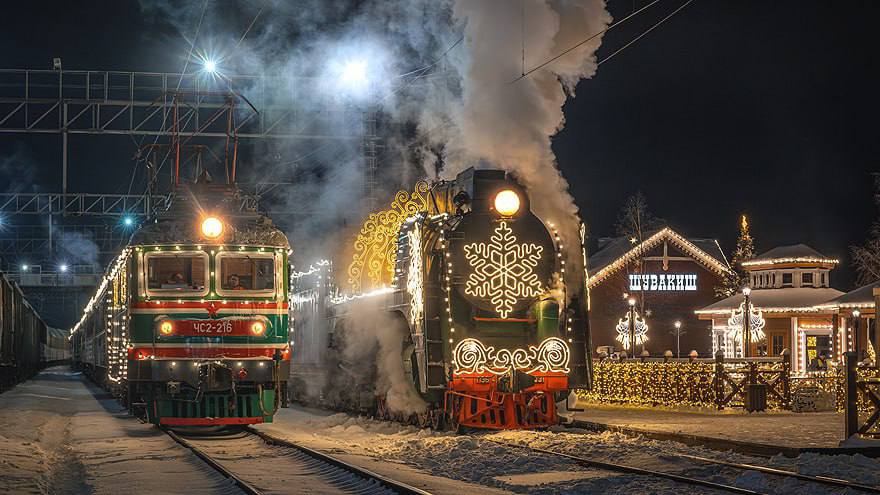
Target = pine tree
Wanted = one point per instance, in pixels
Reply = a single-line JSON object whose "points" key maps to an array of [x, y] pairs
{"points": [[732, 282], [866, 259]]}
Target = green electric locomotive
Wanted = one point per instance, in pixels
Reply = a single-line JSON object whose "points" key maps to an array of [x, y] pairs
{"points": [[189, 326]]}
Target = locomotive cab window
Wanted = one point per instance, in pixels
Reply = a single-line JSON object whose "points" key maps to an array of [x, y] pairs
{"points": [[174, 273], [246, 273]]}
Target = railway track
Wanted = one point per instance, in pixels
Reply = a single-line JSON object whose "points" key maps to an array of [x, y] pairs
{"points": [[610, 466], [260, 464]]}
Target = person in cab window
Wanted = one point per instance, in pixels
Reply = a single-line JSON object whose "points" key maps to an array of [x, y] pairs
{"points": [[234, 282], [175, 281]]}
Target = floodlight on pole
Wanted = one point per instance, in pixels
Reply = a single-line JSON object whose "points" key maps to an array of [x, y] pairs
{"points": [[210, 66], [63, 267], [128, 221], [354, 73], [24, 267]]}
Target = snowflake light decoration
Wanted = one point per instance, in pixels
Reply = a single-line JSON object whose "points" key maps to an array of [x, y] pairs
{"points": [[503, 270], [641, 330]]}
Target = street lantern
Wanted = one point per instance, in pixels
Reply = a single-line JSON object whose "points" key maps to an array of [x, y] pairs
{"points": [[747, 321], [856, 314], [678, 331], [632, 325]]}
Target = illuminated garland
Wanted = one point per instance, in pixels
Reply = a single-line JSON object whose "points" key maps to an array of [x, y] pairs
{"points": [[117, 265], [472, 356], [414, 284], [503, 270], [373, 248], [640, 330], [779, 261]]}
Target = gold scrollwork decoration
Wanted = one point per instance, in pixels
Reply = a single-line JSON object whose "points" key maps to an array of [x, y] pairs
{"points": [[375, 253]]}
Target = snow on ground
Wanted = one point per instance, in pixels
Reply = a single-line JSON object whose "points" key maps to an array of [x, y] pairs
{"points": [[478, 459], [60, 435]]}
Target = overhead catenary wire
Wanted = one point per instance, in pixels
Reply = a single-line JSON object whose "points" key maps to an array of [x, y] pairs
{"points": [[583, 42], [637, 38]]}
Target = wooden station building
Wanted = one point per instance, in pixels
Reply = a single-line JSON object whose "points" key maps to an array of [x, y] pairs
{"points": [[669, 276], [790, 286]]}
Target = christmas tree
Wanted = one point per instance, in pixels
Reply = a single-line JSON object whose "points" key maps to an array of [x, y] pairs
{"points": [[745, 250]]}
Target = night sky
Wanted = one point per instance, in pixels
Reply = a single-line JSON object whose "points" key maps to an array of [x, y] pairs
{"points": [[763, 108]]}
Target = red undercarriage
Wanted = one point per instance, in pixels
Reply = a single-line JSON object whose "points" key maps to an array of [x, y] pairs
{"points": [[475, 401]]}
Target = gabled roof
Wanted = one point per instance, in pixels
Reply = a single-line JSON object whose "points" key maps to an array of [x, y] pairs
{"points": [[863, 297], [787, 300], [794, 253], [617, 253]]}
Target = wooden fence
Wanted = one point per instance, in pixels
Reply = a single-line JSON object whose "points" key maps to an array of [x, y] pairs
{"points": [[715, 382]]}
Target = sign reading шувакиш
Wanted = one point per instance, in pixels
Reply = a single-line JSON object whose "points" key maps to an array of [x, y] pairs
{"points": [[663, 281]]}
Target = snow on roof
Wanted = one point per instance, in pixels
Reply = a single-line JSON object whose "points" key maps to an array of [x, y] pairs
{"points": [[790, 299], [794, 253], [863, 297], [616, 253]]}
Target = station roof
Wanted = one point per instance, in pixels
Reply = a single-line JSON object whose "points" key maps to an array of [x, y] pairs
{"points": [[786, 300], [614, 254], [863, 297], [790, 254]]}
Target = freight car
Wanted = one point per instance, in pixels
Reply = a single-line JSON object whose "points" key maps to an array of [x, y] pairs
{"points": [[27, 344], [492, 330], [189, 326]]}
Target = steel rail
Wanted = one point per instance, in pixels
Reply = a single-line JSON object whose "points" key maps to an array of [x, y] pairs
{"points": [[244, 485], [826, 480], [635, 470], [394, 485]]}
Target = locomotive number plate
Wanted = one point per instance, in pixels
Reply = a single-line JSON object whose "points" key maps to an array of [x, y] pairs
{"points": [[213, 328], [223, 327]]}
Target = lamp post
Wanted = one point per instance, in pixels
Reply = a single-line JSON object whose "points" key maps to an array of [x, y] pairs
{"points": [[677, 339], [856, 339], [747, 334], [632, 325]]}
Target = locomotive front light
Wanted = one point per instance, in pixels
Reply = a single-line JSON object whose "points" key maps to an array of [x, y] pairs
{"points": [[258, 328], [166, 328], [507, 202], [212, 227]]}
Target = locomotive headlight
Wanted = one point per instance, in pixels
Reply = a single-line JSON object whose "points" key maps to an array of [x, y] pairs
{"points": [[258, 328], [166, 328], [212, 227], [507, 203]]}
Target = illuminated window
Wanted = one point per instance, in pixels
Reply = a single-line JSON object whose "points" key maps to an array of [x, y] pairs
{"points": [[176, 273], [242, 274], [778, 343]]}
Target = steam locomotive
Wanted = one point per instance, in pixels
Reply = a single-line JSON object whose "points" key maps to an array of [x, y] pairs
{"points": [[189, 325], [479, 316]]}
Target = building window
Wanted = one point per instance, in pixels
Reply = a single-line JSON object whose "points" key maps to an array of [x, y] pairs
{"points": [[786, 279], [806, 279], [777, 344]]}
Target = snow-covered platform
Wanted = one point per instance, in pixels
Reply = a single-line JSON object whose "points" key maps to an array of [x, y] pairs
{"points": [[767, 433]]}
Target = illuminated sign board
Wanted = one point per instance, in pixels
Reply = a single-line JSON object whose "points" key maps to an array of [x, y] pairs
{"points": [[663, 282]]}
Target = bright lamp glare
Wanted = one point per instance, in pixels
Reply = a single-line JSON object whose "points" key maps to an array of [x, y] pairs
{"points": [[354, 72], [507, 202], [212, 227], [128, 221], [210, 66], [24, 268], [62, 267]]}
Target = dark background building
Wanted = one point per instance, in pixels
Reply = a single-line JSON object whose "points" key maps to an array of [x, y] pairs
{"points": [[669, 277]]}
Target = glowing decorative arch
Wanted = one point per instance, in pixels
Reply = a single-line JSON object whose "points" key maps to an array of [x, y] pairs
{"points": [[372, 265]]}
